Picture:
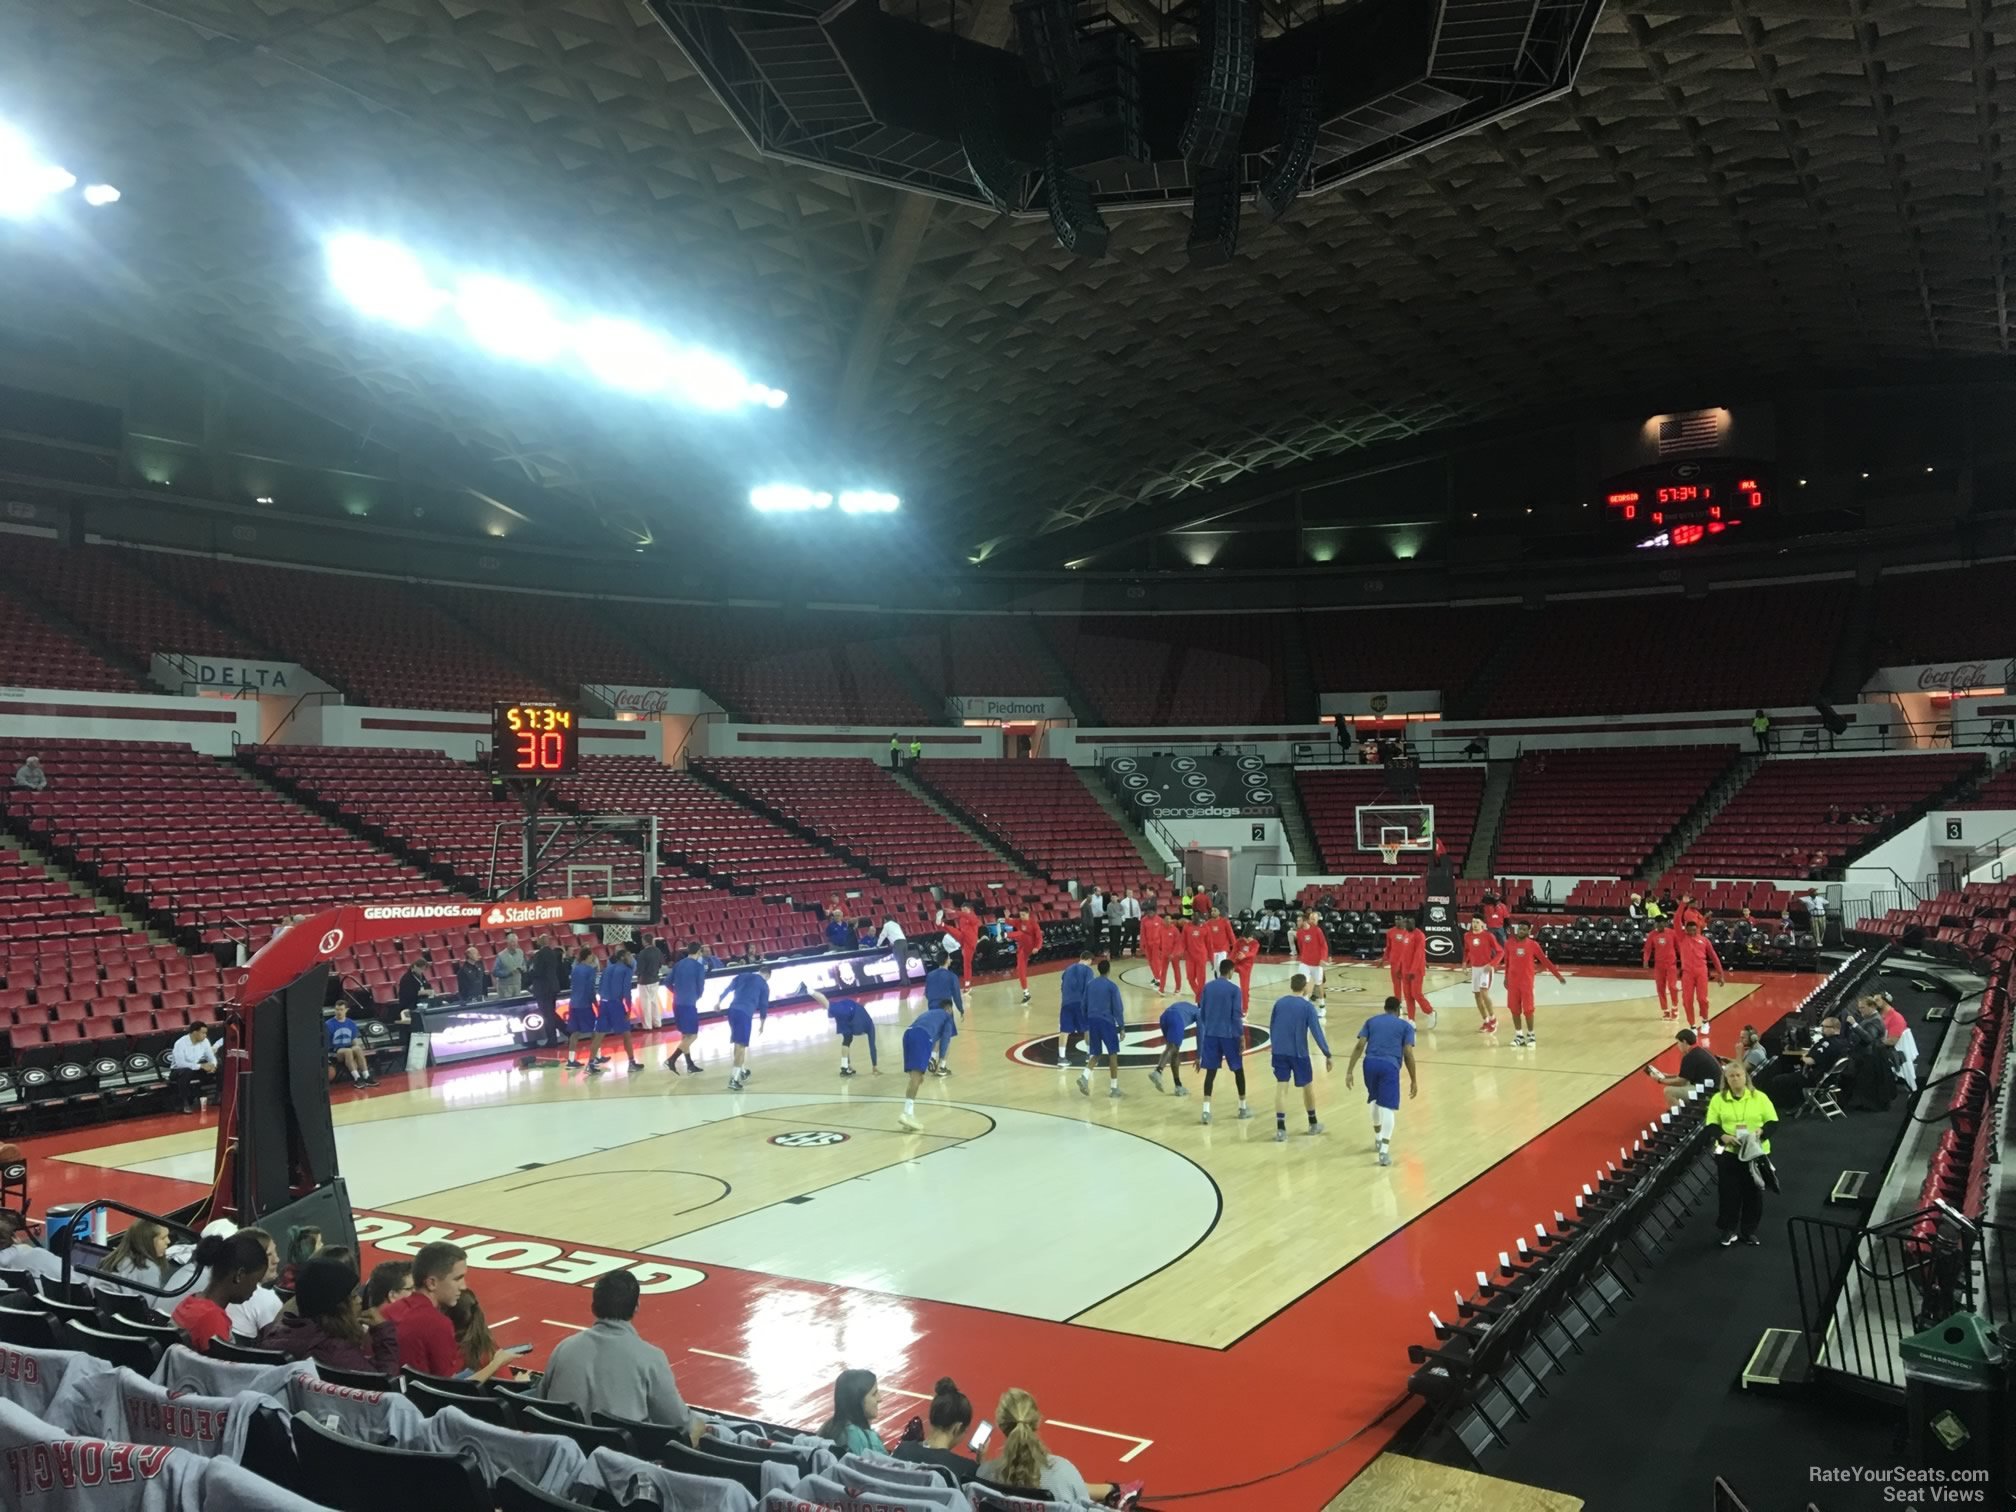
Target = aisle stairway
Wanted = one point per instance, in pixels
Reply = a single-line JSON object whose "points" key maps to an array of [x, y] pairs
{"points": [[1295, 823], [1490, 820]]}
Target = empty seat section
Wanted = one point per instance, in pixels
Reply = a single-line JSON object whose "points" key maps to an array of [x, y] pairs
{"points": [[861, 808], [1735, 649], [194, 839], [101, 989], [976, 655], [1601, 812], [1042, 811], [382, 642], [563, 639], [1778, 823], [39, 654], [1395, 650], [35, 906], [766, 665], [1998, 792], [1331, 799], [1947, 616], [114, 593], [1159, 669]]}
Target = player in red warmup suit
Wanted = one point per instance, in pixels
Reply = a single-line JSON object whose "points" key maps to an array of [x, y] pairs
{"points": [[1218, 936], [1524, 957], [1407, 959], [1244, 952], [1028, 937], [1482, 953], [966, 929], [1662, 955], [1151, 946], [1697, 954], [1312, 949], [1496, 916], [1197, 953]]}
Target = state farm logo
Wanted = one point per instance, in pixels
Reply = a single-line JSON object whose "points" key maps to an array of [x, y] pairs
{"points": [[1964, 675], [331, 942], [523, 913], [639, 701]]}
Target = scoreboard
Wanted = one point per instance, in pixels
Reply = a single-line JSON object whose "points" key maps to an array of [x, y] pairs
{"points": [[1687, 504], [534, 740]]}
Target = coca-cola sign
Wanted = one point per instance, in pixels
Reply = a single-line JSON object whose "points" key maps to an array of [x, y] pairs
{"points": [[1957, 678], [649, 703]]}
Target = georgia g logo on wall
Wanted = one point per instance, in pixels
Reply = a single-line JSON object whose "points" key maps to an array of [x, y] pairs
{"points": [[1141, 1046]]}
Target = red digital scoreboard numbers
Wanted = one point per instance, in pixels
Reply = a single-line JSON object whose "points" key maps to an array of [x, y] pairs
{"points": [[1689, 505], [534, 740]]}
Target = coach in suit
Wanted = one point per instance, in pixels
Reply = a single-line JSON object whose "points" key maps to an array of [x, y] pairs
{"points": [[548, 974]]}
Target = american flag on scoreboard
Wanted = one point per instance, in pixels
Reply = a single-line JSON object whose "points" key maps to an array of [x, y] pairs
{"points": [[1679, 434]]}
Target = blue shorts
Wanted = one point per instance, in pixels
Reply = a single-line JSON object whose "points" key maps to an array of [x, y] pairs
{"points": [[686, 1017], [917, 1049], [614, 1018], [1174, 1030], [1216, 1049], [1299, 1068], [1382, 1081], [738, 1026], [580, 1017], [1071, 1019], [1102, 1037]]}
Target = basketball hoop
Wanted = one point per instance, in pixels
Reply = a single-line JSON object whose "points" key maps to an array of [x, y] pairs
{"points": [[1391, 853]]}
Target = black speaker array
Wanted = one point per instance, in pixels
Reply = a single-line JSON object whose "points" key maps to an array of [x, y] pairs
{"points": [[1301, 102], [1229, 41], [1214, 216], [1074, 216]]}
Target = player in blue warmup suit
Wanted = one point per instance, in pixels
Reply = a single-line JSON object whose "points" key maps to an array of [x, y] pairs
{"points": [[1105, 1016], [1294, 1021], [581, 1003], [849, 1019], [689, 980], [1386, 1043], [1221, 1035], [924, 1044], [1177, 1020], [941, 989], [748, 994], [1072, 984], [614, 1017]]}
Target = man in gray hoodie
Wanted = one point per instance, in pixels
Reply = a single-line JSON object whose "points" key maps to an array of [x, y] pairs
{"points": [[510, 972]]}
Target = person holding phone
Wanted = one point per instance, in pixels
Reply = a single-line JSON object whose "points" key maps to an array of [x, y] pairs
{"points": [[949, 1416], [1743, 1118]]}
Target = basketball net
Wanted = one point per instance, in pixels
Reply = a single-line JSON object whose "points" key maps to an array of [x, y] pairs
{"points": [[1391, 853]]}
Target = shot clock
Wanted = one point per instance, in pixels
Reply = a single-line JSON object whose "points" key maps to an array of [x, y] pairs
{"points": [[534, 740]]}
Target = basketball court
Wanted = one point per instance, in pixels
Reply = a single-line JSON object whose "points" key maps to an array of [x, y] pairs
{"points": [[1138, 1271]]}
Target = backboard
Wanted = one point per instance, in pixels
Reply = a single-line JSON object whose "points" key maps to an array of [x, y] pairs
{"points": [[609, 858], [1396, 828]]}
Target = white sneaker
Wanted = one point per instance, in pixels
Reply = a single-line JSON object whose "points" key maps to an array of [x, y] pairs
{"points": [[1532, 1040], [1518, 1038], [1114, 1091], [1428, 1021], [1207, 1116], [1280, 1135], [1155, 1078], [1182, 1091], [911, 1124], [1317, 1128], [1385, 1156], [1245, 1112]]}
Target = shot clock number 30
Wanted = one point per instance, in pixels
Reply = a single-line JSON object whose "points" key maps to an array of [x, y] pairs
{"points": [[534, 740]]}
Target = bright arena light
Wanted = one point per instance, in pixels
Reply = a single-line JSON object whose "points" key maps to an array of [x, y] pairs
{"points": [[97, 195], [383, 280], [509, 320], [512, 321], [26, 182], [868, 501], [787, 498]]}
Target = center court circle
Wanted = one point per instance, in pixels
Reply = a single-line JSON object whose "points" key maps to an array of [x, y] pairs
{"points": [[808, 1139]]}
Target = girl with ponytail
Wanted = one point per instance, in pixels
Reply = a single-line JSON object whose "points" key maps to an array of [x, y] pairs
{"points": [[1024, 1464]]}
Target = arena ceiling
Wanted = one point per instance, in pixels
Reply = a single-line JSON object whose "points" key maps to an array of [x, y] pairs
{"points": [[1733, 191]]}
